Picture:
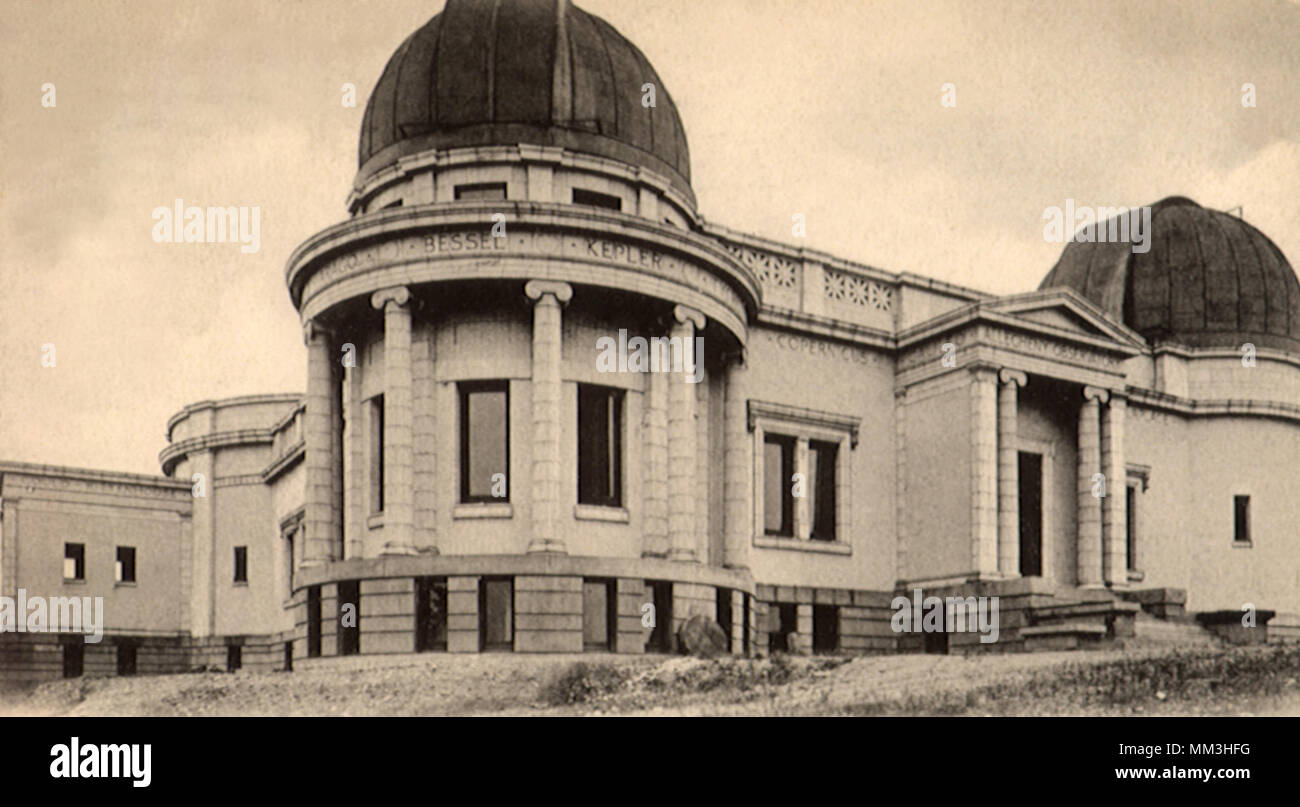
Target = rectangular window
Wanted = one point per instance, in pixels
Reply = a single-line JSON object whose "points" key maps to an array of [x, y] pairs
{"points": [[778, 473], [484, 441], [661, 635], [377, 454], [496, 613], [1130, 528], [241, 564], [349, 605], [599, 614], [74, 657], [594, 199], [126, 656], [481, 192], [722, 601], [600, 446], [313, 622], [430, 614], [234, 657], [74, 561], [125, 568], [820, 488], [826, 628], [1241, 513]]}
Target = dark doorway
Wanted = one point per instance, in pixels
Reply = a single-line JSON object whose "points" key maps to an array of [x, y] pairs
{"points": [[496, 613], [234, 657], [126, 658], [288, 656], [724, 614], [599, 614], [661, 638], [74, 657], [1031, 514], [349, 609], [313, 622], [430, 614], [826, 628]]}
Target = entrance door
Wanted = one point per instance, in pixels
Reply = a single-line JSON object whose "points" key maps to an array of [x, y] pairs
{"points": [[1031, 514]]}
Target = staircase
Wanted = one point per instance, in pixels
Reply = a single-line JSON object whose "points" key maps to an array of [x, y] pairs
{"points": [[1151, 631]]}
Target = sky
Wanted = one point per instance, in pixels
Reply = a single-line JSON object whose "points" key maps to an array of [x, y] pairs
{"points": [[826, 108]]}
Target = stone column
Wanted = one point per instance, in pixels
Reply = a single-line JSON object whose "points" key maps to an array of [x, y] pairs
{"points": [[654, 541], [703, 473], [682, 440], [1115, 505], [984, 471], [324, 529], [399, 502], [1088, 541], [424, 436], [547, 337], [1008, 474], [738, 464], [354, 463]]}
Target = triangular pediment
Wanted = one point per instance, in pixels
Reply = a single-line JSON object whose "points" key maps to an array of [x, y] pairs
{"points": [[1065, 311]]}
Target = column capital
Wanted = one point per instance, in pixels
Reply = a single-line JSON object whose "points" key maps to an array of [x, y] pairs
{"points": [[312, 329], [400, 295], [1009, 376], [537, 289], [683, 314], [1096, 393]]}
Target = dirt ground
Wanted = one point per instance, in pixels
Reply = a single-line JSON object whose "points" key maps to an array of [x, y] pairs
{"points": [[508, 684]]}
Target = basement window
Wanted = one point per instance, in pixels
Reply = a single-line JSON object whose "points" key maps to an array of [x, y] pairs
{"points": [[313, 622], [826, 628], [582, 196], [430, 614]]}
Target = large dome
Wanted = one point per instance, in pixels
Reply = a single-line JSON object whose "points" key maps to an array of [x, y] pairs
{"points": [[1209, 279], [501, 72]]}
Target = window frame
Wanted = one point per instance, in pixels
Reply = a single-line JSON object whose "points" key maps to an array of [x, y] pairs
{"points": [[806, 426], [787, 443], [596, 199], [1241, 520], [616, 454], [79, 561], [241, 565], [120, 568], [464, 389], [458, 190]]}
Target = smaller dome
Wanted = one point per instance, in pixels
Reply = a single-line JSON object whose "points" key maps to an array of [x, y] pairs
{"points": [[1209, 279]]}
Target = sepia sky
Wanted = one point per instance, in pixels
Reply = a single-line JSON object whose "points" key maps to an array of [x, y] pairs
{"points": [[829, 108]]}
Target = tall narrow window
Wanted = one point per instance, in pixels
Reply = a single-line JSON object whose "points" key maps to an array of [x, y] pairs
{"points": [[484, 442], [349, 627], [124, 570], [1130, 527], [430, 613], [820, 487], [600, 446], [74, 561], [377, 454], [496, 613], [241, 564], [313, 622], [1241, 512], [778, 473]]}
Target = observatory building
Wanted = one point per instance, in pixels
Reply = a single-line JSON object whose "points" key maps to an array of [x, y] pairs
{"points": [[550, 409]]}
